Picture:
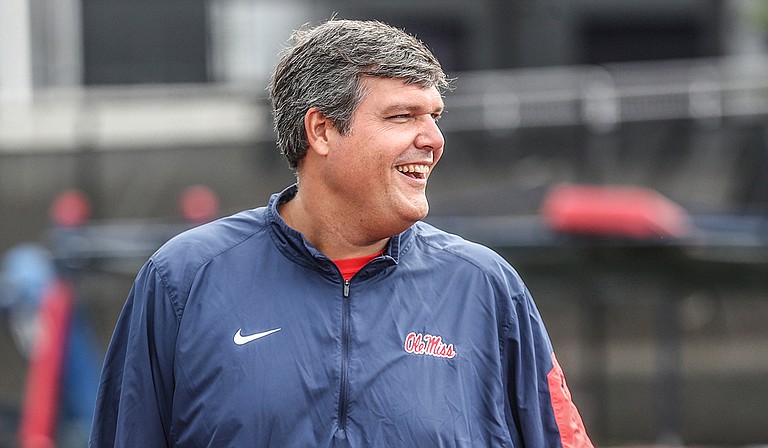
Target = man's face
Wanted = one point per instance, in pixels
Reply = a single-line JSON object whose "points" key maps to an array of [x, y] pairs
{"points": [[381, 166]]}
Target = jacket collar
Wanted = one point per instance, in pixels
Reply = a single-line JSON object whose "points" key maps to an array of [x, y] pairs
{"points": [[294, 246]]}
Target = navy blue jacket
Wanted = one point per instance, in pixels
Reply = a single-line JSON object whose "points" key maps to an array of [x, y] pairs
{"points": [[239, 333]]}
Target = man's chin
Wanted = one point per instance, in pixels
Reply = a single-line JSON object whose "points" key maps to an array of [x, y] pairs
{"points": [[413, 208], [419, 211]]}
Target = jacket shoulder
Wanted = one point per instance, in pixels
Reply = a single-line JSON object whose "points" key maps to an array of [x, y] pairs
{"points": [[455, 246], [211, 239], [178, 260]]}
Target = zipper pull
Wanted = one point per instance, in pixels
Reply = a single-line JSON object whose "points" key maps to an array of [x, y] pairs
{"points": [[346, 288]]}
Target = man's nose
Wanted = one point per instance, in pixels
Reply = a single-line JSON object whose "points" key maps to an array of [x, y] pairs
{"points": [[430, 137]]}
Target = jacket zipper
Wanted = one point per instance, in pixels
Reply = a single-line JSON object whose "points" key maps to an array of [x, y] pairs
{"points": [[344, 357]]}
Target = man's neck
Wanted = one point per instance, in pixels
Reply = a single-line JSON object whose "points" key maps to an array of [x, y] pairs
{"points": [[336, 238]]}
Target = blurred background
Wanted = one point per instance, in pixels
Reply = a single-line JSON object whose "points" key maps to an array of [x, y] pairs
{"points": [[124, 122]]}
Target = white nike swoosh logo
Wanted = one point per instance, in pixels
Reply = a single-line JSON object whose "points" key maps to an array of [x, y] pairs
{"points": [[240, 339]]}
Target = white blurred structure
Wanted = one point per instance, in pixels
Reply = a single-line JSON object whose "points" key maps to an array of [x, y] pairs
{"points": [[599, 97], [15, 51], [247, 35]]}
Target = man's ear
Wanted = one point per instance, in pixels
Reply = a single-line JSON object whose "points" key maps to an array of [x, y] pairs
{"points": [[318, 128]]}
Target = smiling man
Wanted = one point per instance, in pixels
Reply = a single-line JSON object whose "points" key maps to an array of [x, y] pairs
{"points": [[360, 187], [334, 317]]}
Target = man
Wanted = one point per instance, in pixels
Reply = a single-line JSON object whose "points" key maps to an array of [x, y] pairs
{"points": [[334, 317]]}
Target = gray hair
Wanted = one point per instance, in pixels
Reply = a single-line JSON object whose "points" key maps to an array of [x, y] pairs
{"points": [[324, 67]]}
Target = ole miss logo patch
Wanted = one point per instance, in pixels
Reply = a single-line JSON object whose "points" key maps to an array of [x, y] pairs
{"points": [[427, 344]]}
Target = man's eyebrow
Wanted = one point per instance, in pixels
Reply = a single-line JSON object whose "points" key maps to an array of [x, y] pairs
{"points": [[408, 107]]}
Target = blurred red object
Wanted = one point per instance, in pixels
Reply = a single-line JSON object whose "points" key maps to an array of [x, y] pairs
{"points": [[199, 204], [42, 397], [618, 211], [71, 208]]}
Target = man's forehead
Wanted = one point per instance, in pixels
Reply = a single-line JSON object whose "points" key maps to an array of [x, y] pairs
{"points": [[396, 94]]}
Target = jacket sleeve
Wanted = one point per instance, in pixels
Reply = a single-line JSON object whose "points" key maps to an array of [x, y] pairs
{"points": [[136, 388], [542, 413]]}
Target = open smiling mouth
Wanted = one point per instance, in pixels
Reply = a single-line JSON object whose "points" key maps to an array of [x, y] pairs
{"points": [[414, 171]]}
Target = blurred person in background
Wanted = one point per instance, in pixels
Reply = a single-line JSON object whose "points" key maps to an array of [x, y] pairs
{"points": [[333, 316]]}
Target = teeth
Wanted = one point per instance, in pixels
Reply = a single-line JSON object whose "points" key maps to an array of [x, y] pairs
{"points": [[413, 169]]}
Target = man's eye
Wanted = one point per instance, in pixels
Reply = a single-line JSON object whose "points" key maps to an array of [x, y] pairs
{"points": [[436, 117]]}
